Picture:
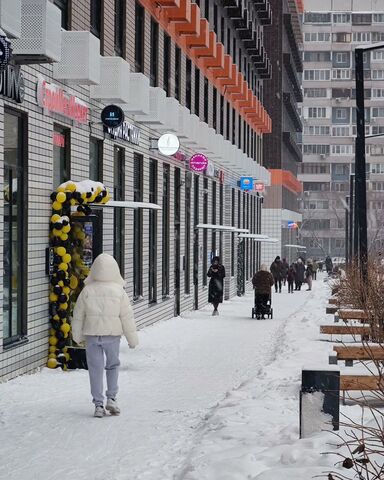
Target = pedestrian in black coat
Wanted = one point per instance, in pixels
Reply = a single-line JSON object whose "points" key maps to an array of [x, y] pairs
{"points": [[216, 273], [300, 270], [291, 277], [277, 272]]}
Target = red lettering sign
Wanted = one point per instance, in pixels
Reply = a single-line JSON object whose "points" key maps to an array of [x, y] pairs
{"points": [[58, 139]]}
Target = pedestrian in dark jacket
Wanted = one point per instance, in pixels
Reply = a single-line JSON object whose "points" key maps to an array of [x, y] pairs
{"points": [[277, 272], [262, 283], [291, 276], [300, 270], [216, 273], [284, 270], [309, 274], [328, 264]]}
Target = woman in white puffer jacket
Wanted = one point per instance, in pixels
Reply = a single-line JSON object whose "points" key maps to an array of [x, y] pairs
{"points": [[101, 315]]}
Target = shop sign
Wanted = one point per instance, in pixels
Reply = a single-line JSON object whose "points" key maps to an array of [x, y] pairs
{"points": [[259, 187], [292, 225], [219, 174], [198, 162], [112, 116], [12, 83], [180, 156], [126, 131], [168, 144], [210, 171], [246, 183], [5, 52], [58, 139], [53, 98]]}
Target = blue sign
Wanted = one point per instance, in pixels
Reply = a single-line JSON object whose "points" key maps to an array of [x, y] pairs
{"points": [[246, 183]]}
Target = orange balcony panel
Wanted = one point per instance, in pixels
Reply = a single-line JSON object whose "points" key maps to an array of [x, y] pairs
{"points": [[240, 103], [201, 40], [248, 104], [225, 82], [165, 3], [191, 27], [237, 88], [206, 52], [241, 95], [251, 107], [217, 61], [225, 72], [182, 13]]}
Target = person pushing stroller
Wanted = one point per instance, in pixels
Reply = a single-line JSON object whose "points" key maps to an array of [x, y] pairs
{"points": [[262, 283]]}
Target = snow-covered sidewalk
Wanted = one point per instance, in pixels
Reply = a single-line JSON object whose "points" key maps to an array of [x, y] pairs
{"points": [[202, 398]]}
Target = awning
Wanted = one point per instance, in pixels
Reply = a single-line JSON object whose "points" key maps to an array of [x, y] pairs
{"points": [[223, 228], [122, 204], [296, 246], [258, 238]]}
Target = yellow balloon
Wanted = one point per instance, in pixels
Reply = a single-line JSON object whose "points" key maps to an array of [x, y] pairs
{"points": [[53, 297], [67, 356], [56, 317], [56, 232], [52, 355], [52, 363], [61, 197], [65, 368], [55, 218], [52, 340], [60, 188], [73, 282], [71, 187], [63, 266], [65, 349], [67, 290], [64, 237], [61, 251], [66, 229], [56, 206], [52, 349], [51, 331], [61, 283], [81, 235], [64, 306], [66, 258], [65, 328], [73, 202]]}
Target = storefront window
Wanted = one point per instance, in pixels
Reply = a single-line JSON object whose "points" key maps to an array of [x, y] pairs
{"points": [[14, 295], [205, 231], [118, 215], [61, 155], [187, 269], [166, 225], [95, 159]]}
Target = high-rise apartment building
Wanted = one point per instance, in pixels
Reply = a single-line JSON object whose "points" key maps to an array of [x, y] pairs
{"points": [[332, 30], [282, 155]]}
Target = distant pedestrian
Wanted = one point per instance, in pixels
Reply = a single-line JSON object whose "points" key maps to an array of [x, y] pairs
{"points": [[216, 273], [315, 268], [300, 270], [291, 276], [284, 270], [101, 316], [277, 272], [320, 265], [328, 264], [309, 274]]}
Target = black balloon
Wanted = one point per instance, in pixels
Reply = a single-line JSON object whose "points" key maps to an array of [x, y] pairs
{"points": [[89, 194], [59, 334], [62, 313], [58, 225], [61, 274], [53, 196], [63, 298], [76, 195], [61, 343], [65, 223], [57, 289], [103, 193]]}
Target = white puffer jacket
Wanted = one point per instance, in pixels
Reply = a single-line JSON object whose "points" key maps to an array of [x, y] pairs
{"points": [[103, 307]]}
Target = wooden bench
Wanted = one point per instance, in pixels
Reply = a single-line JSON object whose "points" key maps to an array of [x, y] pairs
{"points": [[360, 383], [331, 309], [351, 314], [345, 330], [357, 352]]}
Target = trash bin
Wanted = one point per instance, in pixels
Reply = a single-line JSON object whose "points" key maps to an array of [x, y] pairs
{"points": [[319, 401]]}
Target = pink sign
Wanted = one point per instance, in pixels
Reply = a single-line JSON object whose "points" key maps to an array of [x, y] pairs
{"points": [[198, 162], [259, 187]]}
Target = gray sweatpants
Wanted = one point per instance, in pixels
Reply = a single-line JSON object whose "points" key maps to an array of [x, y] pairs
{"points": [[96, 348]]}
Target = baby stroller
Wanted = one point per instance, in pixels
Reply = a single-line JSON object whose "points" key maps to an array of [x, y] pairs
{"points": [[263, 307]]}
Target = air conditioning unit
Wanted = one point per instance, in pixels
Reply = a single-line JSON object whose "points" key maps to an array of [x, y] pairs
{"points": [[40, 38], [80, 59], [138, 96], [338, 100], [10, 17], [157, 116], [323, 156]]}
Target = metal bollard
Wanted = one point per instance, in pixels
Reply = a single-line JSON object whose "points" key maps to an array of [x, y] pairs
{"points": [[319, 401]]}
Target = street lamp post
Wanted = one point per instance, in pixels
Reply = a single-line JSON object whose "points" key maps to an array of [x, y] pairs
{"points": [[351, 211], [347, 227], [361, 236]]}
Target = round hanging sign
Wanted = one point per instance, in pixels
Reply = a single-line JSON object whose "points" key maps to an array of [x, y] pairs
{"points": [[112, 116], [168, 144], [5, 52], [198, 162]]}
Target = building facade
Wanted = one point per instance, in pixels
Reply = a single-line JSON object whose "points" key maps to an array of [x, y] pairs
{"points": [[332, 30], [172, 66], [282, 154]]}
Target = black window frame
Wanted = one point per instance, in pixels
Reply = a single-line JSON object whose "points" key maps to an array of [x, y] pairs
{"points": [[120, 11], [214, 109], [205, 231], [119, 213], [65, 174], [138, 182], [166, 57], [96, 16], [177, 72], [154, 54], [187, 238], [99, 148], [197, 92], [22, 232], [233, 214], [188, 84], [65, 7], [152, 224], [139, 37], [166, 219], [206, 100]]}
